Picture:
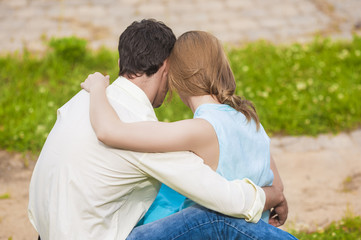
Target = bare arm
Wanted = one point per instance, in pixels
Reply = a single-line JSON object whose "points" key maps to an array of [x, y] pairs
{"points": [[148, 136], [274, 193], [277, 202], [277, 181], [273, 197]]}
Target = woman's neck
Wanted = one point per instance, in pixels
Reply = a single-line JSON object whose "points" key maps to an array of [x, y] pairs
{"points": [[194, 102]]}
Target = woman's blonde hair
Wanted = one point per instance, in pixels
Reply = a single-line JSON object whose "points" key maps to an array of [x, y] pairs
{"points": [[199, 66]]}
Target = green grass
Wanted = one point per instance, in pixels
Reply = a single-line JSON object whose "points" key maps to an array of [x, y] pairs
{"points": [[297, 89], [347, 229], [33, 88], [302, 89], [5, 196]]}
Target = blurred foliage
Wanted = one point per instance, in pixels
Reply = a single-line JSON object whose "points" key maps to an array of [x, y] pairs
{"points": [[33, 88], [302, 89], [349, 228], [5, 196], [72, 50], [297, 89]]}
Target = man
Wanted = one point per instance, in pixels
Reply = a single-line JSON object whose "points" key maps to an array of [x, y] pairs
{"points": [[82, 189]]}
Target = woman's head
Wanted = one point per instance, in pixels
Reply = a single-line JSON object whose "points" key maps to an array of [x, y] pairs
{"points": [[199, 66]]}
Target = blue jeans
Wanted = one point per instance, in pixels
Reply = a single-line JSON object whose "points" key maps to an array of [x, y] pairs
{"points": [[199, 223]]}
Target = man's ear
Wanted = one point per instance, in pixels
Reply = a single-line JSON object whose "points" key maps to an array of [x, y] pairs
{"points": [[165, 66]]}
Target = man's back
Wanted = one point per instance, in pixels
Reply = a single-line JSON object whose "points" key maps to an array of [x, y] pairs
{"points": [[82, 189]]}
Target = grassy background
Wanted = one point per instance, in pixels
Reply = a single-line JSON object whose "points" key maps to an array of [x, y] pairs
{"points": [[349, 228], [302, 89], [33, 88], [297, 89]]}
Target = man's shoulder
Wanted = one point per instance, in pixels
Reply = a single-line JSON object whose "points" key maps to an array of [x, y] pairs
{"points": [[79, 100]]}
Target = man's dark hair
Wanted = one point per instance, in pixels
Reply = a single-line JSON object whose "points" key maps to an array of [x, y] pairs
{"points": [[143, 47]]}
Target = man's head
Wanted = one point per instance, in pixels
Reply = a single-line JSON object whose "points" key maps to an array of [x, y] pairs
{"points": [[143, 50], [143, 47]]}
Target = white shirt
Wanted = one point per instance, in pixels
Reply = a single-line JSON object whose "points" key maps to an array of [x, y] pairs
{"points": [[83, 189]]}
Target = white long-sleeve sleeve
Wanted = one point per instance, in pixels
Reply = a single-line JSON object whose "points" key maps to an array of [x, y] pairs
{"points": [[187, 174]]}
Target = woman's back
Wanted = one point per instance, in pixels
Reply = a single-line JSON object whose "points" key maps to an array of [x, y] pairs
{"points": [[244, 152]]}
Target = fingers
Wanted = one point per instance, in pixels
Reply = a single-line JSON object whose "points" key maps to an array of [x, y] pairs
{"points": [[282, 213], [274, 219], [95, 80], [278, 215], [107, 79], [84, 86], [274, 222], [282, 218], [96, 75]]}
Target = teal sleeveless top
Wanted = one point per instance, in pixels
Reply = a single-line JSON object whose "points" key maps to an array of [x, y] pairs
{"points": [[244, 152]]}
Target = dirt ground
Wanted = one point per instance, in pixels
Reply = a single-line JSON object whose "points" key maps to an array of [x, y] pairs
{"points": [[322, 178]]}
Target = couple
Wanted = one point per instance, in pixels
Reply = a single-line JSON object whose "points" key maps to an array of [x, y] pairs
{"points": [[82, 188]]}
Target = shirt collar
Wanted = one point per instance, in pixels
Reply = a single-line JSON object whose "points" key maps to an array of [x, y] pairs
{"points": [[133, 90]]}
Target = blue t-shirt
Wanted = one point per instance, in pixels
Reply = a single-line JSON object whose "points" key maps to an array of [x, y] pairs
{"points": [[244, 152]]}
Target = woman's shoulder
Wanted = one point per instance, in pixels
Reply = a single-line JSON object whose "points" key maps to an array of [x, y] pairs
{"points": [[219, 116], [223, 116]]}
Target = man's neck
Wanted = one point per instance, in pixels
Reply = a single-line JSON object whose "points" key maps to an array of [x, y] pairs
{"points": [[143, 83]]}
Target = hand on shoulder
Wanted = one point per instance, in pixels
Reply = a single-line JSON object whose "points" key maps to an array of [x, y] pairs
{"points": [[95, 80]]}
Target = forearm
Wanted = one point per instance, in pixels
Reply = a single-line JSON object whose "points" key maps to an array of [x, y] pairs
{"points": [[277, 181], [187, 174], [273, 197], [274, 193], [148, 136], [102, 116]]}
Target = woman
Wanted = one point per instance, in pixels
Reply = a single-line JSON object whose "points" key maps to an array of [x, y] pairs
{"points": [[225, 130]]}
